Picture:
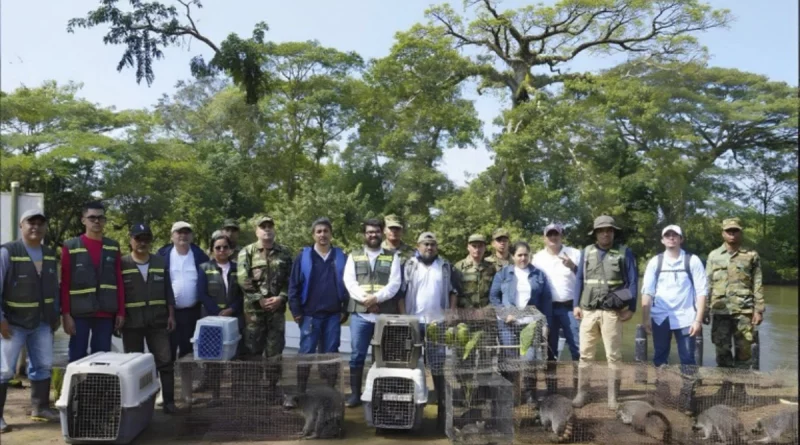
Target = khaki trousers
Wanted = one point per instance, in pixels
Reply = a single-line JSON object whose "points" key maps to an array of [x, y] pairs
{"points": [[597, 325]]}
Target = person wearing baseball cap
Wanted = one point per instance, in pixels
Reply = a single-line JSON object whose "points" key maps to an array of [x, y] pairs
{"points": [[560, 264], [394, 237], [28, 312], [605, 297], [473, 275], [182, 263], [500, 257], [673, 302], [230, 228], [736, 305], [149, 308]]}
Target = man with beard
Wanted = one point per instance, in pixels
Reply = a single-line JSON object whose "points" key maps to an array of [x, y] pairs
{"points": [[372, 278], [429, 291], [318, 298]]}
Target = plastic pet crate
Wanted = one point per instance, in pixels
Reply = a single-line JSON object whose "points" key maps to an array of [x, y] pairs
{"points": [[108, 397], [216, 338], [397, 342], [395, 398]]}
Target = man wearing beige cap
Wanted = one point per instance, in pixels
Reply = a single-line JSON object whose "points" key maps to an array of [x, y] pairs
{"points": [[501, 257], [429, 291], [473, 275], [605, 298], [183, 259], [28, 312], [736, 300]]}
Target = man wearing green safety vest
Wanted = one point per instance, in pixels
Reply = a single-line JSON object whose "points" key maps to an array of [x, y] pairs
{"points": [[28, 312], [605, 298], [372, 278], [473, 275], [149, 308]]}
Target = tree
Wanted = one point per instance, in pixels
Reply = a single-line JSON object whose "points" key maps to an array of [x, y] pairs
{"points": [[512, 43]]}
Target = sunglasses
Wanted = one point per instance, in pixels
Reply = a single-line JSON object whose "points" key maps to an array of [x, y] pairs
{"points": [[220, 248], [95, 218]]}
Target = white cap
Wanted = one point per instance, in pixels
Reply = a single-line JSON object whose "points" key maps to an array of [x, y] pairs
{"points": [[672, 228], [181, 225]]}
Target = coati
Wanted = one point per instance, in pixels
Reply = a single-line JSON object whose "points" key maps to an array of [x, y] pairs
{"points": [[636, 413], [556, 411], [723, 421], [470, 429], [323, 410], [777, 426]]}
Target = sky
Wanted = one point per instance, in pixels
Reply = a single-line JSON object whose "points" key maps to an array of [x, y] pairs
{"points": [[35, 47]]}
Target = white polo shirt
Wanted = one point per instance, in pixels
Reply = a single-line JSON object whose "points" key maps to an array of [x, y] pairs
{"points": [[183, 277], [561, 279]]}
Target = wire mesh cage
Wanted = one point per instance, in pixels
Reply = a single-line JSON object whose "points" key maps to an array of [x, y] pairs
{"points": [[504, 338], [397, 341], [261, 399], [478, 408]]}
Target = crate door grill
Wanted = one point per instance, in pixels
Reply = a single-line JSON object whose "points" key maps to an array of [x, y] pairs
{"points": [[95, 407], [209, 342], [396, 343], [393, 402]]}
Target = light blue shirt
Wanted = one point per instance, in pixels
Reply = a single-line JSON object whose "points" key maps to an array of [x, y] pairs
{"points": [[673, 296]]}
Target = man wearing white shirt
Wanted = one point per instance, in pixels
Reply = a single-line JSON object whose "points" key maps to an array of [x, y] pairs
{"points": [[559, 264], [372, 278], [429, 290]]}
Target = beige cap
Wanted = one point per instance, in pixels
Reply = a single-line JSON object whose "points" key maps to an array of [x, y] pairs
{"points": [[732, 223], [426, 236], [476, 238], [263, 219], [180, 225]]}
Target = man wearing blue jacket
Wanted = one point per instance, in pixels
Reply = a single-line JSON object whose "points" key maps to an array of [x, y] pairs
{"points": [[318, 298]]}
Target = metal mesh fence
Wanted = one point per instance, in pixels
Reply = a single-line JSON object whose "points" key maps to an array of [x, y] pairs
{"points": [[479, 408], [248, 399]]}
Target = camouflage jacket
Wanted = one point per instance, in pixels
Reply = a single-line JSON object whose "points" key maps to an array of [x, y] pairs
{"points": [[735, 281], [473, 282], [497, 262], [405, 251], [263, 274]]}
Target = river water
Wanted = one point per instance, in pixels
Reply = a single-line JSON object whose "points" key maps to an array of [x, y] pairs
{"points": [[777, 334]]}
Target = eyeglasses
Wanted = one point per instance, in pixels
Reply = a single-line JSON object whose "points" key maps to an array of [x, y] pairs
{"points": [[95, 218], [222, 247]]}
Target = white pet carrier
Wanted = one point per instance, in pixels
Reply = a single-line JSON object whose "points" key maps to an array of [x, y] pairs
{"points": [[394, 398], [397, 342], [108, 397], [216, 338]]}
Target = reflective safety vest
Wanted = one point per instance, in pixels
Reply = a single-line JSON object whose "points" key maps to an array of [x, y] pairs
{"points": [[216, 285], [28, 296], [373, 280], [612, 269], [145, 302], [92, 289]]}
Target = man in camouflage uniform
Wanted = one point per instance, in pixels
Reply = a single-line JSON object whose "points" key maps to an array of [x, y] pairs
{"points": [[394, 238], [736, 300], [230, 228], [263, 274], [501, 256], [473, 275]]}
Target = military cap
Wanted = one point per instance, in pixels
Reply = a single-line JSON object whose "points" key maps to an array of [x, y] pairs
{"points": [[32, 214], [230, 224], [732, 223], [426, 236], [603, 221], [476, 238], [499, 233], [263, 219], [393, 221]]}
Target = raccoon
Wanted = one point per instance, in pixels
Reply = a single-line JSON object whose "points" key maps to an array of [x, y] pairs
{"points": [[777, 426], [723, 421], [556, 411], [470, 431], [323, 410], [636, 413]]}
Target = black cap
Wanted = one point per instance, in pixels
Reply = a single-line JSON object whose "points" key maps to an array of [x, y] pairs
{"points": [[140, 229]]}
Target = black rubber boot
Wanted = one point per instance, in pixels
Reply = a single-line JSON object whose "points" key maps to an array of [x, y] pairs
{"points": [[4, 428], [356, 375], [168, 392], [303, 372], [441, 412], [40, 402]]}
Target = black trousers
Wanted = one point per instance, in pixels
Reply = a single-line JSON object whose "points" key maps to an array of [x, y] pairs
{"points": [[180, 340]]}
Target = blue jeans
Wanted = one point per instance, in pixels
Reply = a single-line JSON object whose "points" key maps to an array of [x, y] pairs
{"points": [[361, 332], [563, 318], [322, 331], [662, 337], [40, 352], [101, 330]]}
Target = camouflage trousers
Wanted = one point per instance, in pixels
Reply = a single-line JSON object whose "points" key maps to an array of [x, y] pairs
{"points": [[736, 329], [264, 333]]}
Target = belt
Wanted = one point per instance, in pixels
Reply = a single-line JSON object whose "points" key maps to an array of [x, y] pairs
{"points": [[563, 303]]}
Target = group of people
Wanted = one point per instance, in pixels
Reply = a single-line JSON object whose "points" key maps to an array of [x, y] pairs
{"points": [[586, 295]]}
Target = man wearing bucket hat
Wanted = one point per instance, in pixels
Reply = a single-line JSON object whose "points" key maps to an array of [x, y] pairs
{"points": [[605, 298], [736, 300], [473, 275], [28, 312]]}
